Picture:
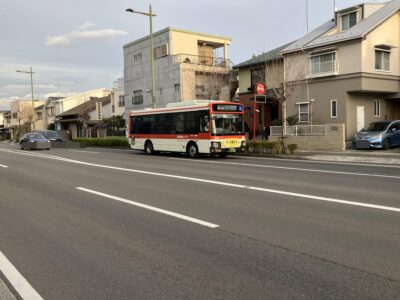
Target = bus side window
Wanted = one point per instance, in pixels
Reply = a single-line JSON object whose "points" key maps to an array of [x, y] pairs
{"points": [[204, 122]]}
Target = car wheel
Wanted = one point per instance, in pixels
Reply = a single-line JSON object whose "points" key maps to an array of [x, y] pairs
{"points": [[223, 155], [192, 151], [148, 148], [387, 145]]}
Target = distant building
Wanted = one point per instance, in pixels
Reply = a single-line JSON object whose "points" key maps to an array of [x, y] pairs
{"points": [[87, 119], [117, 98], [187, 67]]}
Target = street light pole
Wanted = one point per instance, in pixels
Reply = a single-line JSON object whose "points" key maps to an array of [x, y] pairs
{"points": [[30, 72], [153, 81]]}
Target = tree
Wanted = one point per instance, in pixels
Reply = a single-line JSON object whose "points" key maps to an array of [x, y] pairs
{"points": [[284, 77], [115, 123]]}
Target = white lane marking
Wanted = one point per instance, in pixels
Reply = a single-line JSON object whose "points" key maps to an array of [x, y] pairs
{"points": [[152, 208], [286, 168], [18, 282], [3, 166], [240, 186], [319, 162], [83, 151], [112, 149]]}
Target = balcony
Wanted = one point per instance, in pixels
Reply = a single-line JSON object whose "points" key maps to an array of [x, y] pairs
{"points": [[321, 69], [202, 60]]}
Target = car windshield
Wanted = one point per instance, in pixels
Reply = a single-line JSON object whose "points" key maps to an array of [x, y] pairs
{"points": [[227, 124], [376, 126], [50, 134], [36, 136]]}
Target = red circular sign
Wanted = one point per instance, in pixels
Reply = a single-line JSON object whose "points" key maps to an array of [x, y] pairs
{"points": [[260, 88]]}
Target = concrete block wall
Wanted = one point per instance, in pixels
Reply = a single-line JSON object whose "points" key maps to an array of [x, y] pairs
{"points": [[334, 139]]}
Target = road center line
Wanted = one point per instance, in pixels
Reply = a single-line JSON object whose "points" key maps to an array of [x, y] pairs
{"points": [[3, 166], [18, 282], [287, 168], [240, 186], [152, 208]]}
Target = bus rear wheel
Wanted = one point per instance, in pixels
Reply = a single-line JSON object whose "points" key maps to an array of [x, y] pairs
{"points": [[192, 151], [148, 148]]}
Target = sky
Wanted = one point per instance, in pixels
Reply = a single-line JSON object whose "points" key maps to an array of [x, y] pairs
{"points": [[77, 45]]}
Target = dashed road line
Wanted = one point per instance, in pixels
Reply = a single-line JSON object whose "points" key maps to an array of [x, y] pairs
{"points": [[152, 208], [83, 151], [3, 166]]}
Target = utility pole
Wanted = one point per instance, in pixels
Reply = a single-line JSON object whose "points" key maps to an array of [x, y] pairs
{"points": [[153, 81], [30, 72]]}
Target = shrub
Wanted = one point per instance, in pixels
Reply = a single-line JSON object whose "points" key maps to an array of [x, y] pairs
{"points": [[292, 148], [103, 142]]}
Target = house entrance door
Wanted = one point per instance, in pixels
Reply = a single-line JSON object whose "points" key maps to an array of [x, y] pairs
{"points": [[360, 118]]}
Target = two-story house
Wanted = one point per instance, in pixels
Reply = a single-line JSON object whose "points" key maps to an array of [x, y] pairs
{"points": [[350, 68], [23, 114], [187, 67]]}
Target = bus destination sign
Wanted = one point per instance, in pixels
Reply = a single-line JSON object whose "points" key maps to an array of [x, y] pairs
{"points": [[228, 107]]}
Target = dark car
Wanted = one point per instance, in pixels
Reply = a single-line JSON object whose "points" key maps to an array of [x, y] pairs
{"points": [[51, 135], [378, 135], [34, 140]]}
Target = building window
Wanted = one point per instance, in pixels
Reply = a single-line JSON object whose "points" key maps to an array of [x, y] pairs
{"points": [[121, 101], [333, 108], [39, 115], [382, 60], [349, 20], [177, 88], [304, 110], [377, 108], [137, 57], [137, 97], [323, 64], [160, 51], [113, 108]]}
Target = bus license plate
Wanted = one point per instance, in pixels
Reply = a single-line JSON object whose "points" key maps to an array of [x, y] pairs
{"points": [[231, 143]]}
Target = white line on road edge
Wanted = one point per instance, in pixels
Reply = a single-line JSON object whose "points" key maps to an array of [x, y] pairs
{"points": [[286, 168], [3, 166], [18, 282], [319, 162], [159, 210], [83, 151], [381, 207]]}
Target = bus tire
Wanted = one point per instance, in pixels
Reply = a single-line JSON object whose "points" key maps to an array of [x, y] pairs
{"points": [[192, 151], [148, 148], [223, 155]]}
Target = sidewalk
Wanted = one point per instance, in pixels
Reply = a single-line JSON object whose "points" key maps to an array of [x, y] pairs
{"points": [[389, 157]]}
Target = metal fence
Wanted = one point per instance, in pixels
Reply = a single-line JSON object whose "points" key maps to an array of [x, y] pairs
{"points": [[300, 130], [202, 60]]}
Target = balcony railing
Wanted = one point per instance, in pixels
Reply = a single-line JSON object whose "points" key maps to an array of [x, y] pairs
{"points": [[326, 68], [202, 60]]}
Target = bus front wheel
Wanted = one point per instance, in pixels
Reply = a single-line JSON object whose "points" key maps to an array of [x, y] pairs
{"points": [[148, 148], [192, 151]]}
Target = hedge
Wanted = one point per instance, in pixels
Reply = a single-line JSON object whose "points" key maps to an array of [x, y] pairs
{"points": [[104, 142], [269, 147]]}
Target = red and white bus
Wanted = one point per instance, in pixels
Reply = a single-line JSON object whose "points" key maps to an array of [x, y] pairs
{"points": [[191, 127]]}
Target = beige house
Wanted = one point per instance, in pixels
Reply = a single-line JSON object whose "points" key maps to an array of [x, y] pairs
{"points": [[118, 98], [347, 70], [188, 65]]}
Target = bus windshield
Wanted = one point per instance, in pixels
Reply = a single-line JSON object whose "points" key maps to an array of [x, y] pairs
{"points": [[227, 124]]}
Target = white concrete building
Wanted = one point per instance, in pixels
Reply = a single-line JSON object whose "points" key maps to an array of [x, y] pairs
{"points": [[187, 67]]}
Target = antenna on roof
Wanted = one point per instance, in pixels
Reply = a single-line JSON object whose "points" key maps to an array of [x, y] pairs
{"points": [[307, 14], [334, 9]]}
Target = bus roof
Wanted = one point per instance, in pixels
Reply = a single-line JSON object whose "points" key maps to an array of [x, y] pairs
{"points": [[183, 106]]}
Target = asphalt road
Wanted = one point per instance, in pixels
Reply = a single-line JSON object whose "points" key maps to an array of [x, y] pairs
{"points": [[116, 224]]}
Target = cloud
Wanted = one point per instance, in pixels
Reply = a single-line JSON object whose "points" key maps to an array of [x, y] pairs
{"points": [[83, 34]]}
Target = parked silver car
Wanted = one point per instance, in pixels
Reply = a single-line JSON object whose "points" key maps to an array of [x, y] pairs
{"points": [[34, 141], [378, 135]]}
